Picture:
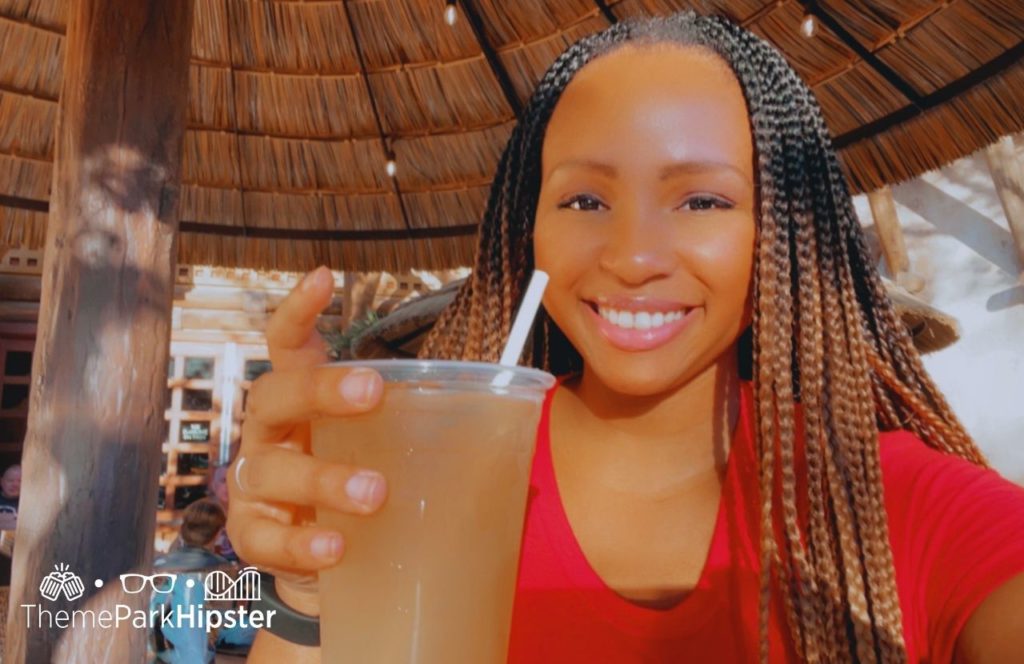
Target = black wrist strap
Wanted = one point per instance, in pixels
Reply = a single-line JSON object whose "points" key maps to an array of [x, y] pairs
{"points": [[286, 622]]}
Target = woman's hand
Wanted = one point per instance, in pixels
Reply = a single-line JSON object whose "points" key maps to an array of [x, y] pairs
{"points": [[271, 517]]}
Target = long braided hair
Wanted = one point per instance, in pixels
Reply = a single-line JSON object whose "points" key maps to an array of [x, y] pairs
{"points": [[824, 334]]}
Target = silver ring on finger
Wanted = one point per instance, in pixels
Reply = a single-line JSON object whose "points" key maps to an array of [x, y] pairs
{"points": [[238, 474]]}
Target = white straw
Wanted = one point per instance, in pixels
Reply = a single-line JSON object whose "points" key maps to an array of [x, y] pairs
{"points": [[524, 319], [521, 326]]}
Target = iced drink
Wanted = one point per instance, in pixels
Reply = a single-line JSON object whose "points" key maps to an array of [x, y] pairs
{"points": [[430, 578]]}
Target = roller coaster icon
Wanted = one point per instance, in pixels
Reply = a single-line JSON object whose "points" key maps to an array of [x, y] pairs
{"points": [[219, 585]]}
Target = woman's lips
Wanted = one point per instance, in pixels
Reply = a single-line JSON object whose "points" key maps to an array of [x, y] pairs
{"points": [[636, 339]]}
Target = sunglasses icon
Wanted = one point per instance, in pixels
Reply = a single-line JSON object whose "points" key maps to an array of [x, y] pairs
{"points": [[136, 583]]}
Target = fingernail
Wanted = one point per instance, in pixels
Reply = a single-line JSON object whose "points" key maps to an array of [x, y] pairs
{"points": [[363, 486], [360, 386], [326, 545], [310, 279]]}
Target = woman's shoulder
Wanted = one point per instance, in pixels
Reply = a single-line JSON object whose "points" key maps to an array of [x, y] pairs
{"points": [[907, 458], [913, 469], [955, 532], [949, 512]]}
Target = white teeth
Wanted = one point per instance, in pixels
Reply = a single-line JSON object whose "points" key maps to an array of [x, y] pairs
{"points": [[640, 320]]}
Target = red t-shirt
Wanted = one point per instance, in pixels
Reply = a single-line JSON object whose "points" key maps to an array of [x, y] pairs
{"points": [[957, 533]]}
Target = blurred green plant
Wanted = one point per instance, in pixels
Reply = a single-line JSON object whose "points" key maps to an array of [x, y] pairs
{"points": [[339, 342]]}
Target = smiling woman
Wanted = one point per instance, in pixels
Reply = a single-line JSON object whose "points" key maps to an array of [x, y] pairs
{"points": [[647, 209], [743, 458], [676, 180]]}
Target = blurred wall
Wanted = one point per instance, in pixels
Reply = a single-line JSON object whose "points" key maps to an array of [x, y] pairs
{"points": [[959, 242]]}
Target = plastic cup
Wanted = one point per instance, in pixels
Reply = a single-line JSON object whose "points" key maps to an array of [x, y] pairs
{"points": [[430, 578]]}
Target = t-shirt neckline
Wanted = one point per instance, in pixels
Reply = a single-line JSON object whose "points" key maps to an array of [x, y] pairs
{"points": [[702, 602]]}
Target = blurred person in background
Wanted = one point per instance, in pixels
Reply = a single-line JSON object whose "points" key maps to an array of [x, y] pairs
{"points": [[201, 523], [218, 491], [202, 528], [10, 491]]}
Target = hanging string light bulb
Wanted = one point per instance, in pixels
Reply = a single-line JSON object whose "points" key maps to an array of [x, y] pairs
{"points": [[391, 167], [451, 13], [809, 26]]}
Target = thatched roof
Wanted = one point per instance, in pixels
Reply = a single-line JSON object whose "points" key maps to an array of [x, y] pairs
{"points": [[294, 104]]}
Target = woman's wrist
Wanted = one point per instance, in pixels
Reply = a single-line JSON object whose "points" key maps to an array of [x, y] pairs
{"points": [[304, 599], [290, 611]]}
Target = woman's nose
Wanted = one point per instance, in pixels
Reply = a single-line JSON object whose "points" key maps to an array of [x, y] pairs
{"points": [[638, 248]]}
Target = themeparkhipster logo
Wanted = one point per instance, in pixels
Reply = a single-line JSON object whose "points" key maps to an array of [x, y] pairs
{"points": [[167, 609]]}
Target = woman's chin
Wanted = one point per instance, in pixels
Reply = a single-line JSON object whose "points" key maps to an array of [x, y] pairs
{"points": [[637, 378]]}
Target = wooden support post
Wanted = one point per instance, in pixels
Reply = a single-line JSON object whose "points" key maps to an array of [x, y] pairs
{"points": [[92, 452], [887, 224], [358, 296], [1008, 175]]}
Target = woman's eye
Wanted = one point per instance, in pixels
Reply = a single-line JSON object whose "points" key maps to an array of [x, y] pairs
{"points": [[705, 202], [582, 203]]}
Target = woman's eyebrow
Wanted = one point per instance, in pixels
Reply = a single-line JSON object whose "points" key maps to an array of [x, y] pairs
{"points": [[604, 169], [702, 166], [669, 171]]}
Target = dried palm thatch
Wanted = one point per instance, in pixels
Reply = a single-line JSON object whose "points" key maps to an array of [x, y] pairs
{"points": [[295, 106]]}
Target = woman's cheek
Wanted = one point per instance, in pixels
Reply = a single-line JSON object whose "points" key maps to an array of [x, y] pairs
{"points": [[565, 247], [541, 253], [569, 254], [544, 240], [724, 257]]}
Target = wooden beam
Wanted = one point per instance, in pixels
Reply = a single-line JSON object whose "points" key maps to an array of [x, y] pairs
{"points": [[92, 451], [25, 331], [231, 321], [865, 54], [388, 149], [22, 203], [607, 12], [20, 287], [237, 143], [273, 233], [765, 10], [19, 312], [497, 68], [990, 69], [232, 298], [887, 225], [249, 338], [1008, 176]]}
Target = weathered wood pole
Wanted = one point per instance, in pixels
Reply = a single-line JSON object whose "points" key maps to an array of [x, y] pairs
{"points": [[92, 453], [1008, 175], [887, 224]]}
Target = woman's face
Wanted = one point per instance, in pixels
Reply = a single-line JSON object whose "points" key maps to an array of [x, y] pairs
{"points": [[645, 221]]}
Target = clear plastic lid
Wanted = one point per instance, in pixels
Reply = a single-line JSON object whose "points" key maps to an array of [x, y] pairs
{"points": [[448, 375]]}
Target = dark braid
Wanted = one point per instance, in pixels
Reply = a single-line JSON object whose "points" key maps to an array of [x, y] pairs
{"points": [[824, 334]]}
